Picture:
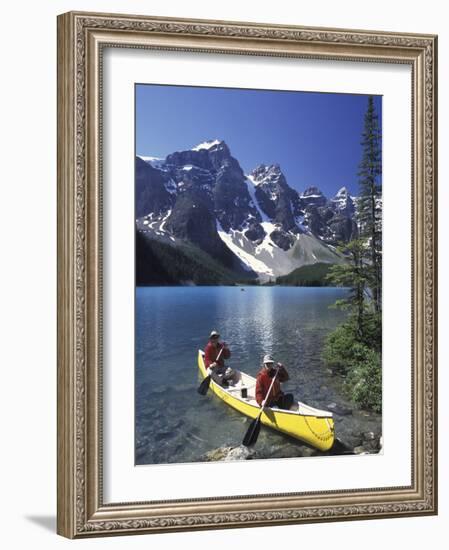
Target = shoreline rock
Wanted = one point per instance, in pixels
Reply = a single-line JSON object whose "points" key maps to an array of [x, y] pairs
{"points": [[340, 410], [228, 454]]}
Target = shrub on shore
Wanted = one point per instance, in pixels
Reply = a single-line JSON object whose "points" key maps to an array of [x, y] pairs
{"points": [[364, 381], [357, 356]]}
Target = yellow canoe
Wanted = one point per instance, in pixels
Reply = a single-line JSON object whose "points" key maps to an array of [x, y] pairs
{"points": [[312, 426]]}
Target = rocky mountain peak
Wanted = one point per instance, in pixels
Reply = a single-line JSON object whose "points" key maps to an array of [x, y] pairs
{"points": [[311, 192], [312, 197], [342, 192], [278, 202], [212, 144], [266, 173], [343, 202], [209, 155]]}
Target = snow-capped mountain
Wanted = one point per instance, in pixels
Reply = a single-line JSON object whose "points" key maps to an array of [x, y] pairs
{"points": [[343, 202], [252, 224]]}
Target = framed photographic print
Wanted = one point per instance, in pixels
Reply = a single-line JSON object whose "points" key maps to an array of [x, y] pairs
{"points": [[246, 274]]}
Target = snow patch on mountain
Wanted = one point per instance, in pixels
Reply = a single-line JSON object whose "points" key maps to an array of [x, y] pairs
{"points": [[311, 196], [249, 262], [155, 162], [300, 223], [267, 244], [268, 260], [251, 184], [164, 219], [206, 145], [171, 187], [341, 192]]}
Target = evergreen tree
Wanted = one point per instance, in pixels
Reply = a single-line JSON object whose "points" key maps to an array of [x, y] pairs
{"points": [[369, 210], [352, 274], [355, 347]]}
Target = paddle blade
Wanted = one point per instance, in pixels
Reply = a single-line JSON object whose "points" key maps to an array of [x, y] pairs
{"points": [[252, 433], [204, 386]]}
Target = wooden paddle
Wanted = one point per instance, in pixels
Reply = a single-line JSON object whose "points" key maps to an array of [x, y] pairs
{"points": [[204, 386], [254, 428]]}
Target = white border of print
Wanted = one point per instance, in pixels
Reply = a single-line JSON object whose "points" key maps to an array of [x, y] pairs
{"points": [[123, 481]]}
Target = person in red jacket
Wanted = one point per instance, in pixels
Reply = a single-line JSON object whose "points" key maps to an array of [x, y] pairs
{"points": [[214, 358], [277, 398]]}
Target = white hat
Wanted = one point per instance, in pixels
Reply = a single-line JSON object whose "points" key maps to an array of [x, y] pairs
{"points": [[214, 334], [268, 359]]}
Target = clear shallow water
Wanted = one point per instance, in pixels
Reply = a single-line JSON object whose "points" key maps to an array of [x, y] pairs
{"points": [[173, 422]]}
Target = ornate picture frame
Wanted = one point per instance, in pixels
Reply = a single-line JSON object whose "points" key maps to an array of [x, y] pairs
{"points": [[82, 40]]}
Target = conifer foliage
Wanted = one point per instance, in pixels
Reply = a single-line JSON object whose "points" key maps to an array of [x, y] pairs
{"points": [[369, 210], [354, 349]]}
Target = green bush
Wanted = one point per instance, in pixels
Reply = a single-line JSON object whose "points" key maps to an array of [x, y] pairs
{"points": [[355, 355], [371, 334], [364, 381], [342, 349]]}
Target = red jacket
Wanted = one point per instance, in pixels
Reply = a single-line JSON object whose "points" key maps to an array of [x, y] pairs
{"points": [[263, 383], [211, 353]]}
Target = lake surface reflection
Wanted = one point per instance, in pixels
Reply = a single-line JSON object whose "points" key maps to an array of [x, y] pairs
{"points": [[173, 422]]}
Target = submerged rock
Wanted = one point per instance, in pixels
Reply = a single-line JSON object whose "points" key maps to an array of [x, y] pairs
{"points": [[228, 454], [351, 441], [308, 451], [360, 450], [239, 453], [372, 441], [340, 447], [340, 410], [217, 454], [370, 444]]}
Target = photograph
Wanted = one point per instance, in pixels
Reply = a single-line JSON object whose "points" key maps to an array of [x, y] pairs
{"points": [[258, 274]]}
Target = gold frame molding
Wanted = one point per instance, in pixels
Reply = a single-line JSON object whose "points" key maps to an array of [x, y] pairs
{"points": [[81, 39]]}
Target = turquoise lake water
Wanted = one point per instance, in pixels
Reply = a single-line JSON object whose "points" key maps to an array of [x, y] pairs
{"points": [[173, 422]]}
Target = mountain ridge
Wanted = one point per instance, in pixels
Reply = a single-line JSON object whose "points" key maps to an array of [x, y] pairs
{"points": [[255, 224]]}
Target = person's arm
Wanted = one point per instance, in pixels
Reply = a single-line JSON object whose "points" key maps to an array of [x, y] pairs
{"points": [[283, 374], [259, 391], [208, 359], [226, 354]]}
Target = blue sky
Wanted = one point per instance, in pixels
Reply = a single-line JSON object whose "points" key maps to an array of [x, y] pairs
{"points": [[315, 137]]}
